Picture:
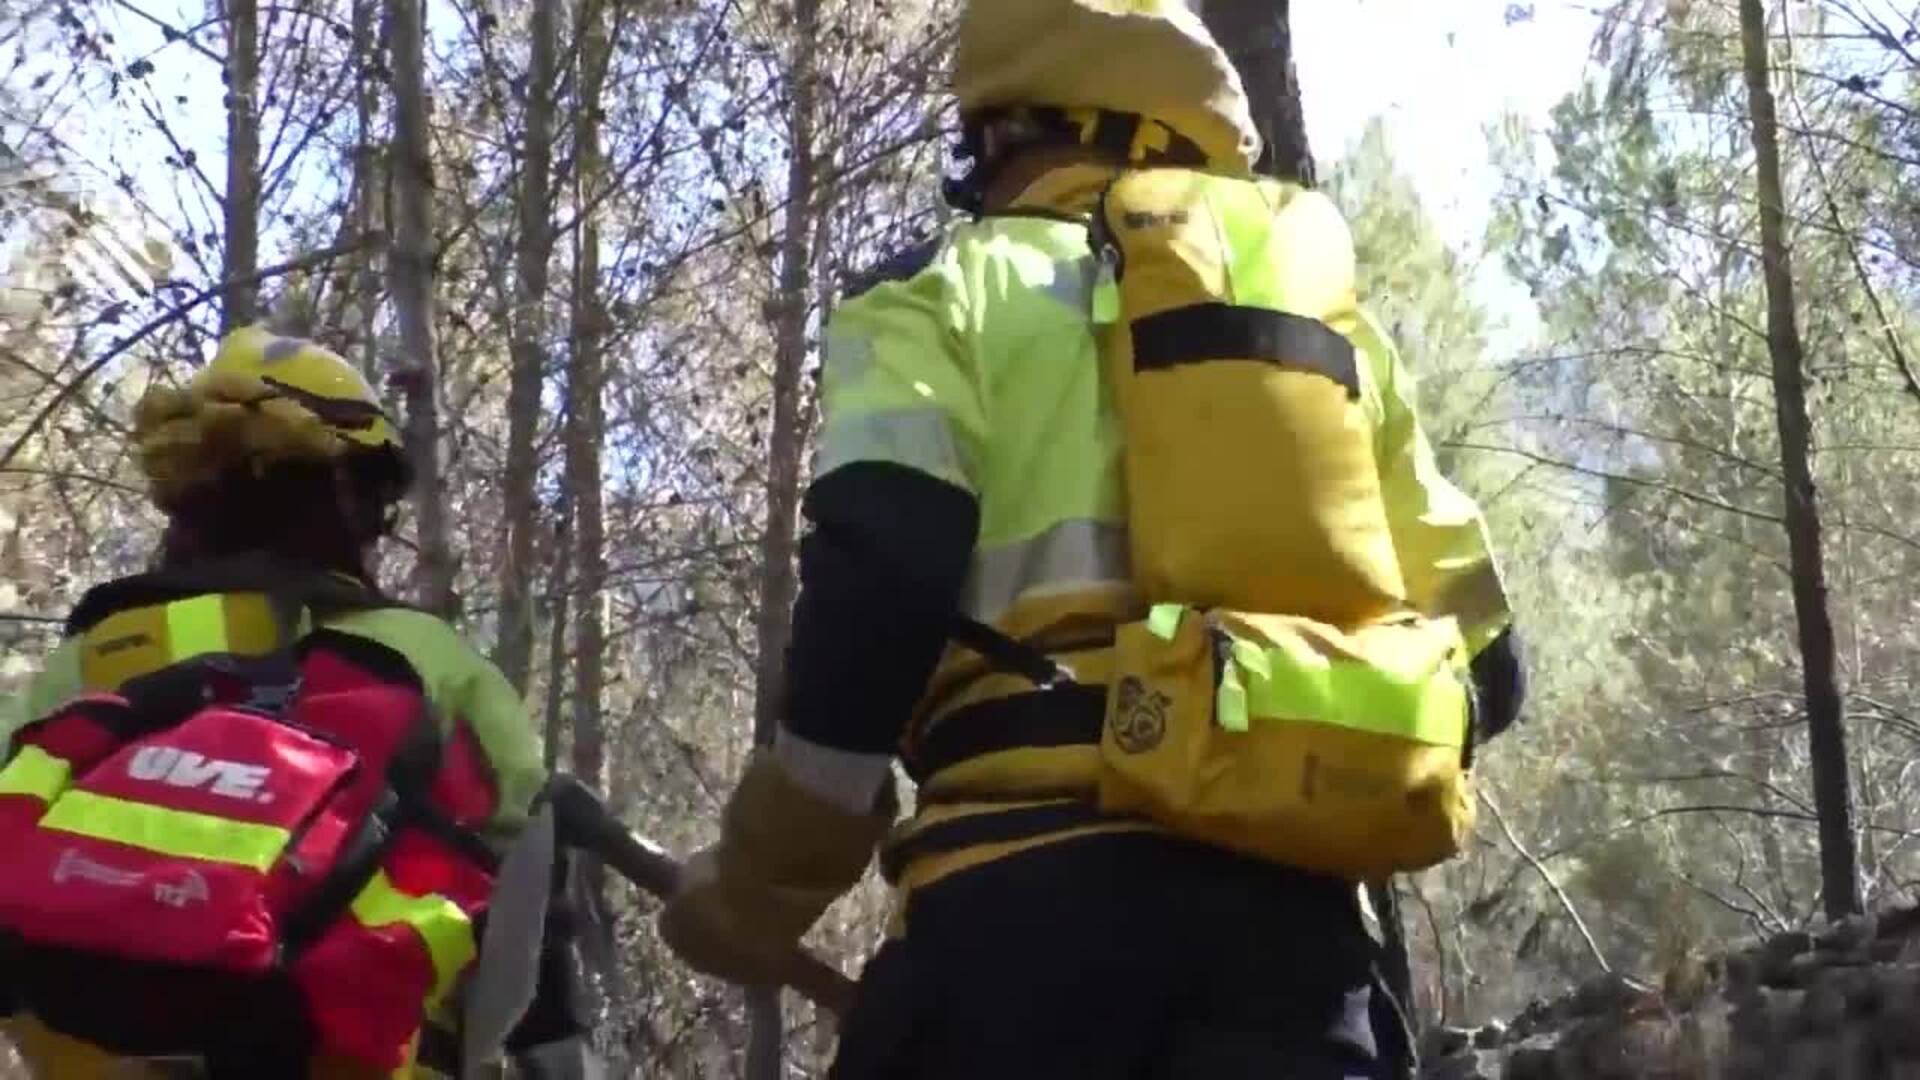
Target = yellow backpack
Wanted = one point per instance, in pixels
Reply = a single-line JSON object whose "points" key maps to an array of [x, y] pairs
{"points": [[1282, 698]]}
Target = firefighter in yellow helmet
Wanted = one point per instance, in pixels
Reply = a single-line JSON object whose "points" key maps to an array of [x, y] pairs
{"points": [[277, 450], [277, 470], [282, 426], [976, 580]]}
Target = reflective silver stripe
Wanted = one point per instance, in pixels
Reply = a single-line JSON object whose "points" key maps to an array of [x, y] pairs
{"points": [[1070, 556], [917, 438], [1072, 282], [1476, 598], [848, 780], [847, 358]]}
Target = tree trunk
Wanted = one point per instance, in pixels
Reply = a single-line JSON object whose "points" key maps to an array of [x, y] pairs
{"points": [[1395, 1023], [411, 267], [366, 186], [787, 440], [241, 304], [786, 444], [585, 419], [515, 652], [1259, 38], [1826, 723], [584, 431], [1396, 966], [361, 300], [551, 725]]}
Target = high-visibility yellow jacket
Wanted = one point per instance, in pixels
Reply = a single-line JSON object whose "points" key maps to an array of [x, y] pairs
{"points": [[970, 458]]}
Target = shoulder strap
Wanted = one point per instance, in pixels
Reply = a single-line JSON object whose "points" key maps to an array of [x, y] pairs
{"points": [[1006, 653]]}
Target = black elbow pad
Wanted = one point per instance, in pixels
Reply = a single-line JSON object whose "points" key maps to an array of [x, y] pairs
{"points": [[1499, 684], [880, 578]]}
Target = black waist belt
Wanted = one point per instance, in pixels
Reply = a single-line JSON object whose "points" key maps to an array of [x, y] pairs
{"points": [[1067, 715], [989, 827], [1071, 714]]}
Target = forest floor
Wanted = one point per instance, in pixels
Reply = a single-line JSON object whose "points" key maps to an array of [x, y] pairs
{"points": [[1842, 1003]]}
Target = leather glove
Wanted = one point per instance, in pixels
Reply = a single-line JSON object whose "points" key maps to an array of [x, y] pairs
{"points": [[784, 856]]}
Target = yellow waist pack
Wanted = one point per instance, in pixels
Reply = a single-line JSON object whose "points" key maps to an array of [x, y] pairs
{"points": [[1283, 699], [1283, 738]]}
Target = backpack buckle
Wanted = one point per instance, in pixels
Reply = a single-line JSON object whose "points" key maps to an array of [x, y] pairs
{"points": [[272, 699]]}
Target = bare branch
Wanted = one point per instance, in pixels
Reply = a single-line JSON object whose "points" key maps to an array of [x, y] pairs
{"points": [[165, 318], [1553, 885], [1623, 478]]}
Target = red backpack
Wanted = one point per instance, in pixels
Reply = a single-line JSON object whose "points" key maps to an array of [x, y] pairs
{"points": [[249, 840]]}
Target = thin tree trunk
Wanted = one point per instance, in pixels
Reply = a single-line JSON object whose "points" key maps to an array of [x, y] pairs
{"points": [[515, 653], [411, 268], [1396, 966], [1395, 1022], [585, 422], [787, 440], [1259, 38], [551, 722], [359, 304], [1826, 722], [1444, 994], [241, 304], [786, 443], [366, 185], [585, 428]]}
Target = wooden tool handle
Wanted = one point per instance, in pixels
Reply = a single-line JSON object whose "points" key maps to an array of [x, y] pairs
{"points": [[586, 823]]}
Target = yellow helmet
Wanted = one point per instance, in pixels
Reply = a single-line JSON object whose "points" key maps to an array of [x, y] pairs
{"points": [[264, 399], [1148, 58]]}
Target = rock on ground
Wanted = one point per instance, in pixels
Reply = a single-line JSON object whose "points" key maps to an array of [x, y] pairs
{"points": [[1842, 1003]]}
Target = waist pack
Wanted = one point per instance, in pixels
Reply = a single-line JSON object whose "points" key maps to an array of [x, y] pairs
{"points": [[1283, 699], [255, 828], [1286, 739]]}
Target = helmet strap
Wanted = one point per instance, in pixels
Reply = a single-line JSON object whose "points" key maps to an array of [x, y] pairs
{"points": [[368, 517]]}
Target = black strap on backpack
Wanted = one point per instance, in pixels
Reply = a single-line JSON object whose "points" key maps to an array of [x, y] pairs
{"points": [[1008, 654], [411, 769], [405, 802]]}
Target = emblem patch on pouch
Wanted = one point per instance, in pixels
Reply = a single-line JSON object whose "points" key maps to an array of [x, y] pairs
{"points": [[1140, 718]]}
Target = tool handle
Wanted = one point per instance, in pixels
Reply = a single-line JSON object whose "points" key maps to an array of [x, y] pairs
{"points": [[585, 822]]}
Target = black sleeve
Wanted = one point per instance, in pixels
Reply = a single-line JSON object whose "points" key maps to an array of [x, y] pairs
{"points": [[1500, 683], [880, 579]]}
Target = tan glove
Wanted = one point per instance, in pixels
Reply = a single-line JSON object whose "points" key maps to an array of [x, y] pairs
{"points": [[784, 856]]}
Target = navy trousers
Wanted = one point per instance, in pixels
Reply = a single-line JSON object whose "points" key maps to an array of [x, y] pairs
{"points": [[1120, 957]]}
